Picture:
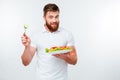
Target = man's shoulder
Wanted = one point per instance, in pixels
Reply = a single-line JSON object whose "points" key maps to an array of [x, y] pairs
{"points": [[65, 31]]}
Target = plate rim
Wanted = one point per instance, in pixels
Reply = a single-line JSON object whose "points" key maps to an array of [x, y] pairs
{"points": [[59, 52]]}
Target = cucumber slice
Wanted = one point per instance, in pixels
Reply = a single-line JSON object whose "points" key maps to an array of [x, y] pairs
{"points": [[25, 26]]}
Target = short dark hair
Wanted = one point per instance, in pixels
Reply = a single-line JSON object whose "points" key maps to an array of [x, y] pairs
{"points": [[50, 7]]}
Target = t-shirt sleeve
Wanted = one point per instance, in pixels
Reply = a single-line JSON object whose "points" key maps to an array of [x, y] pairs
{"points": [[70, 40]]}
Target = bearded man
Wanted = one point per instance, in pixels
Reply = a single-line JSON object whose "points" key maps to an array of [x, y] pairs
{"points": [[50, 66]]}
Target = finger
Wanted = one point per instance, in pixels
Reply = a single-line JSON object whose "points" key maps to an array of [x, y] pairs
{"points": [[23, 39], [23, 42], [56, 55], [24, 34]]}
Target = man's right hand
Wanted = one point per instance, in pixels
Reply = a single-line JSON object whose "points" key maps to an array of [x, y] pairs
{"points": [[25, 40]]}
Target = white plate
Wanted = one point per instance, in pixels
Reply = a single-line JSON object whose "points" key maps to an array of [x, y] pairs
{"points": [[59, 52]]}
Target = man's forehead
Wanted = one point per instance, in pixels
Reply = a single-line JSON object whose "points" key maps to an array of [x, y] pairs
{"points": [[53, 13]]}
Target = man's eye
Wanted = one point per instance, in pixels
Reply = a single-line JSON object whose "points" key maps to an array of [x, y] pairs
{"points": [[57, 16]]}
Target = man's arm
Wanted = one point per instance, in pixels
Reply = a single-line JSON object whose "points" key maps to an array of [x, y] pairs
{"points": [[29, 51], [70, 57], [28, 55]]}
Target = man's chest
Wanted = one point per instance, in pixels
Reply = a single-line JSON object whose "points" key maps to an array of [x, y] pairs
{"points": [[51, 40]]}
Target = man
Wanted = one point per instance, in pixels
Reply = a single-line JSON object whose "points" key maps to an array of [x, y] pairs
{"points": [[50, 67]]}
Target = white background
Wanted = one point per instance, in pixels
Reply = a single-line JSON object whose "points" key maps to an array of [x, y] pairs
{"points": [[95, 25]]}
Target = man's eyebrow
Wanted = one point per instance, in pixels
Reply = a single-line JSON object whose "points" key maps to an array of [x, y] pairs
{"points": [[56, 15]]}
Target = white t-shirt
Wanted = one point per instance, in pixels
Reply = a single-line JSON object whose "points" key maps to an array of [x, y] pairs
{"points": [[48, 66]]}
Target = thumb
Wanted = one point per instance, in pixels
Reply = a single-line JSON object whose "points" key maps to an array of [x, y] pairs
{"points": [[24, 34]]}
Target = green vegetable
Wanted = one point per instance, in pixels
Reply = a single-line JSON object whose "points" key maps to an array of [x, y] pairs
{"points": [[25, 26], [46, 50]]}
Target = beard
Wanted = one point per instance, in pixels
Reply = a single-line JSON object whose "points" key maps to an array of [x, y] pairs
{"points": [[52, 26]]}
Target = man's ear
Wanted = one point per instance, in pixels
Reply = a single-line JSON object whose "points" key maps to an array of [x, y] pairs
{"points": [[44, 17]]}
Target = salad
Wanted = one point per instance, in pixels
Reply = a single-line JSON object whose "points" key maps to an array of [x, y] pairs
{"points": [[56, 49]]}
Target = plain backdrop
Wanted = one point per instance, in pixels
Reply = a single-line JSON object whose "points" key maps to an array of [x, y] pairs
{"points": [[95, 25]]}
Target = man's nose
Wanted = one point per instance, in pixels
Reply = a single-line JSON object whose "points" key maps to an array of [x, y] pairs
{"points": [[54, 19]]}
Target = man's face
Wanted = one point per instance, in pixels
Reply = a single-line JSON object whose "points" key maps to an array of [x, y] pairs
{"points": [[52, 20]]}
